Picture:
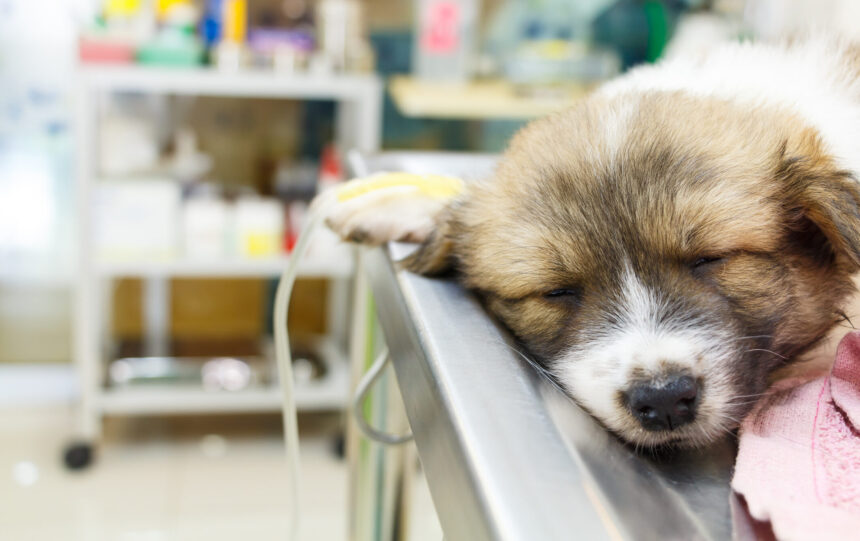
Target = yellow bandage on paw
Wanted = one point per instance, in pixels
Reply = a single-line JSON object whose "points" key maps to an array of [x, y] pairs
{"points": [[432, 186]]}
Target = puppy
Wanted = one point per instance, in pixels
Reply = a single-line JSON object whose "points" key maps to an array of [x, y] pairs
{"points": [[667, 244]]}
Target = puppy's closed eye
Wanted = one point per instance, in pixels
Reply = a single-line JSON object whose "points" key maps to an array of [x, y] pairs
{"points": [[563, 294], [705, 263]]}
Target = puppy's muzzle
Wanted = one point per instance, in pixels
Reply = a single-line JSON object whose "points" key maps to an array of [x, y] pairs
{"points": [[664, 403]]}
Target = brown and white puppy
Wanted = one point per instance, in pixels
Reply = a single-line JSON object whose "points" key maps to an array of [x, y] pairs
{"points": [[665, 246]]}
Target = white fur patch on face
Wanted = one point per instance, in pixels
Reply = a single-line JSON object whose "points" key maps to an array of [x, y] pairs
{"points": [[647, 339]]}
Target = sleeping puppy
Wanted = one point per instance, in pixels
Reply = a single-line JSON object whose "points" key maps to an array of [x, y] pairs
{"points": [[666, 245]]}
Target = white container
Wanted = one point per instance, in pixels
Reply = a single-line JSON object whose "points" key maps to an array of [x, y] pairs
{"points": [[127, 145], [206, 228], [339, 30], [136, 219], [259, 227]]}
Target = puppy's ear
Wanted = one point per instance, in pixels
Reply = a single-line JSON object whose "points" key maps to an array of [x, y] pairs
{"points": [[828, 197], [437, 253]]}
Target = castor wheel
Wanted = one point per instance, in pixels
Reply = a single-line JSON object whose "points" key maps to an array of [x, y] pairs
{"points": [[78, 456], [338, 446]]}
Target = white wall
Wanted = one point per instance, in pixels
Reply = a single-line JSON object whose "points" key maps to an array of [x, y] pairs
{"points": [[37, 53]]}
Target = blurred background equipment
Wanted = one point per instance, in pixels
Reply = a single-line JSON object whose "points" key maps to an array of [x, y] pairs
{"points": [[158, 218]]}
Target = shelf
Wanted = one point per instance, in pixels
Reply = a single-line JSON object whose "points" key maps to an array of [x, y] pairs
{"points": [[319, 267], [329, 393], [176, 399], [243, 83], [478, 100]]}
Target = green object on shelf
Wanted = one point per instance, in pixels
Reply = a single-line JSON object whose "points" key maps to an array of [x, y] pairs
{"points": [[658, 29], [172, 47]]}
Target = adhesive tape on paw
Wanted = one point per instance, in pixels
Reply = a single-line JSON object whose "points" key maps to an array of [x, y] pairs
{"points": [[432, 186]]}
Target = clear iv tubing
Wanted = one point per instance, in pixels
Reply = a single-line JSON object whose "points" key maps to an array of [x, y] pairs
{"points": [[361, 392], [285, 361], [316, 215]]}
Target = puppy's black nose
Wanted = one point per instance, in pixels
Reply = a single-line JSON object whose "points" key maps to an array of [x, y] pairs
{"points": [[664, 407]]}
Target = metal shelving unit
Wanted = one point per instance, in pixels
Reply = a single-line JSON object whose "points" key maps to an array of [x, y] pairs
{"points": [[358, 122]]}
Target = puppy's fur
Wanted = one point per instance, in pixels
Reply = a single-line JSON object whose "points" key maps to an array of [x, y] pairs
{"points": [[701, 215]]}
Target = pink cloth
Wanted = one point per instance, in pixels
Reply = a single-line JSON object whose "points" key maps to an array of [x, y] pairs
{"points": [[798, 463]]}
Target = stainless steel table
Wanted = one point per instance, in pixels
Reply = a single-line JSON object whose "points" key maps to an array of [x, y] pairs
{"points": [[507, 455]]}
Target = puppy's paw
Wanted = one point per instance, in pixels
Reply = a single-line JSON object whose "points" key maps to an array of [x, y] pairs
{"points": [[382, 209]]}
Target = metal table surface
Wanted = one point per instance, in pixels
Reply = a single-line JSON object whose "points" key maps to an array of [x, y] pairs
{"points": [[507, 455]]}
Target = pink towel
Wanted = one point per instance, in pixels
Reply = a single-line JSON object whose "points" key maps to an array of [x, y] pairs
{"points": [[798, 463]]}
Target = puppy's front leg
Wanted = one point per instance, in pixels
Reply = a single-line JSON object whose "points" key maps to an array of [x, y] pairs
{"points": [[389, 207]]}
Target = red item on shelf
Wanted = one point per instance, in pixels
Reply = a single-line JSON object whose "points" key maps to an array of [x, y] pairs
{"points": [[331, 170], [296, 212], [290, 239], [104, 51]]}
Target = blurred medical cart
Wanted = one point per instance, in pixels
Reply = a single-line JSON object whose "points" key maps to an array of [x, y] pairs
{"points": [[357, 125]]}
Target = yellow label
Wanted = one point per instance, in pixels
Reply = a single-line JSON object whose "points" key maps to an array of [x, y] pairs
{"points": [[433, 186], [121, 7], [235, 20], [260, 244], [163, 6]]}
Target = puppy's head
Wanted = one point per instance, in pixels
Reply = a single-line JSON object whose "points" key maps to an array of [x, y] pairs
{"points": [[660, 255]]}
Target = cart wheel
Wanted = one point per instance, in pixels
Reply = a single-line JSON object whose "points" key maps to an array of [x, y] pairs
{"points": [[339, 446], [78, 456]]}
